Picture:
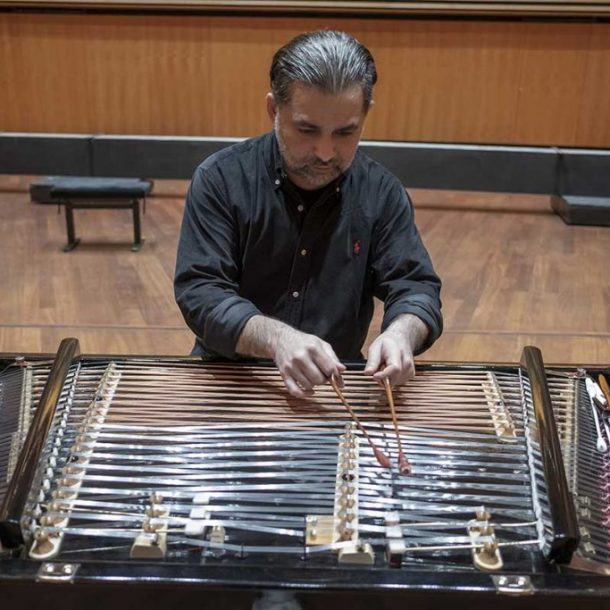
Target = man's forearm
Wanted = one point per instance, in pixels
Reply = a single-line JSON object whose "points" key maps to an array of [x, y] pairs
{"points": [[260, 337], [411, 329]]}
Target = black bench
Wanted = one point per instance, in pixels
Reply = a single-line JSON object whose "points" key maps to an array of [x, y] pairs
{"points": [[100, 193], [582, 210]]}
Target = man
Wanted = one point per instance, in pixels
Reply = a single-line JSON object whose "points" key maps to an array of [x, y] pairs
{"points": [[286, 238]]}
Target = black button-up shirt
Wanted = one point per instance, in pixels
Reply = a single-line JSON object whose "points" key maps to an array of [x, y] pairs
{"points": [[249, 245]]}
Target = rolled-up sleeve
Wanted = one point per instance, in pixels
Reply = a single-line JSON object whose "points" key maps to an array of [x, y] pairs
{"points": [[404, 277], [206, 282]]}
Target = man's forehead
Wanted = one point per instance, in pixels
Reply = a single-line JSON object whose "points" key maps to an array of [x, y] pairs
{"points": [[315, 120], [308, 104], [302, 94]]}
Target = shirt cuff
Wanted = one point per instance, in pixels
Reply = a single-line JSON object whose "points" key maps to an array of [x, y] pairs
{"points": [[225, 324], [426, 312]]}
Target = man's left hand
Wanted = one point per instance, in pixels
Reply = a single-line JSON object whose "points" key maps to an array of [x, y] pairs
{"points": [[391, 354]]}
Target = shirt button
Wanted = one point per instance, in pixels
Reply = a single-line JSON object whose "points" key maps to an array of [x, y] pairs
{"points": [[303, 252], [300, 207], [277, 181], [295, 294]]}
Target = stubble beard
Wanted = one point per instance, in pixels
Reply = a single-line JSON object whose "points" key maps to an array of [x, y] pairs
{"points": [[311, 172]]}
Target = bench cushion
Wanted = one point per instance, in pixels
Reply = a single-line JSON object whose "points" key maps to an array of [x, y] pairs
{"points": [[99, 188]]}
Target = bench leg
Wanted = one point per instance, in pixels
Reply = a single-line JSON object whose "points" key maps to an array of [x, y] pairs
{"points": [[137, 229], [72, 240]]}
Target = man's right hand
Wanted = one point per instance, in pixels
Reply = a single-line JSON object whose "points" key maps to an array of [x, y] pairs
{"points": [[304, 360]]}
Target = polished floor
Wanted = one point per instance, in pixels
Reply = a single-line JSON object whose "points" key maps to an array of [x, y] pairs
{"points": [[514, 274]]}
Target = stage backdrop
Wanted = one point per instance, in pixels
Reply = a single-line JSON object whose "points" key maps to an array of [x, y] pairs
{"points": [[466, 81]]}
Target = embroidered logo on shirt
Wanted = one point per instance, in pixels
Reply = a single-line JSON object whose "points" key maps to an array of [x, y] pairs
{"points": [[357, 247]]}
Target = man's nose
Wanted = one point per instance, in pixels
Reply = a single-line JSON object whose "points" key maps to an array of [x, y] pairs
{"points": [[325, 149]]}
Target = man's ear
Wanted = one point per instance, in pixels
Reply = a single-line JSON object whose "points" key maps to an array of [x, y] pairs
{"points": [[271, 106]]}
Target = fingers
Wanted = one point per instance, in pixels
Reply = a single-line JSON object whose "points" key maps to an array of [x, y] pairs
{"points": [[396, 375], [332, 366], [391, 365], [374, 358], [308, 370], [384, 359], [294, 389], [306, 362], [389, 359]]}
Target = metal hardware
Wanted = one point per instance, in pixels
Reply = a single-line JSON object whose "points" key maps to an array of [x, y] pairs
{"points": [[57, 572], [513, 585], [499, 411]]}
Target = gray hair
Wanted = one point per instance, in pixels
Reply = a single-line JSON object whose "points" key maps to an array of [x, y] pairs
{"points": [[328, 60]]}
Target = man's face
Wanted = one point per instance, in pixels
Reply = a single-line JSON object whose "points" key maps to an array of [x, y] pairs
{"points": [[317, 133]]}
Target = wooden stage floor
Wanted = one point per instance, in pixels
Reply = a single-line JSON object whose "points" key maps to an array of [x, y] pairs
{"points": [[514, 274]]}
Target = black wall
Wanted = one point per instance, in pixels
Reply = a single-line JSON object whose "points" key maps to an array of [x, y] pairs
{"points": [[509, 169]]}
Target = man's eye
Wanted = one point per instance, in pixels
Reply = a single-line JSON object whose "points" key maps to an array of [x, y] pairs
{"points": [[306, 130]]}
